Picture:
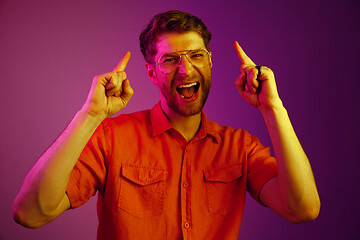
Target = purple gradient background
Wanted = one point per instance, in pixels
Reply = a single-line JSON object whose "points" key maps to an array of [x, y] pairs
{"points": [[50, 50]]}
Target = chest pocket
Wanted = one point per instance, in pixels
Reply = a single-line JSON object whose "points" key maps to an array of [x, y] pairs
{"points": [[225, 188], [142, 190]]}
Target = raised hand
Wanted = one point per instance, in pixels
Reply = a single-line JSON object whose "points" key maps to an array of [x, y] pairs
{"points": [[110, 92], [259, 90]]}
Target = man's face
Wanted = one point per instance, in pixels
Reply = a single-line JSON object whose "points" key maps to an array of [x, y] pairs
{"points": [[186, 89]]}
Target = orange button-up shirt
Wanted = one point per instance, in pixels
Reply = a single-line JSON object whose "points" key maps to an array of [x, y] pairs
{"points": [[153, 184]]}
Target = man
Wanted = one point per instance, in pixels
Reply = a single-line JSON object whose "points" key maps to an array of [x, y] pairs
{"points": [[168, 172]]}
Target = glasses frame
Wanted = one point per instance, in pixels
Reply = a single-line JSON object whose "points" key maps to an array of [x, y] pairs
{"points": [[185, 53]]}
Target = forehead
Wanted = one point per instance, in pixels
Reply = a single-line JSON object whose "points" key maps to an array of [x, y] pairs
{"points": [[173, 42]]}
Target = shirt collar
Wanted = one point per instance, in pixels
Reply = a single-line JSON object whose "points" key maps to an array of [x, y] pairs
{"points": [[159, 121], [160, 124]]}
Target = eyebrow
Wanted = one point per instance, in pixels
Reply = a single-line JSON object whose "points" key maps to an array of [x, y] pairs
{"points": [[185, 51]]}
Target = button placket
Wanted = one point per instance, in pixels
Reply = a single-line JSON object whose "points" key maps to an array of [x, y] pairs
{"points": [[185, 193]]}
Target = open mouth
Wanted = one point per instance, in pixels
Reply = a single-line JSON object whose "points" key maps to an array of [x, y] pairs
{"points": [[188, 91]]}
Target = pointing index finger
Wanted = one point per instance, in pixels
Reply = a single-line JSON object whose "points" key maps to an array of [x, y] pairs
{"points": [[123, 62], [244, 59]]}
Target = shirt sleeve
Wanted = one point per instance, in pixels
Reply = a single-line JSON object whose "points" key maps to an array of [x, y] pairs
{"points": [[261, 167], [89, 173]]}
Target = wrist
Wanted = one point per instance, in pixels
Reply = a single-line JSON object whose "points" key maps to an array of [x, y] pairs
{"points": [[89, 119], [91, 114], [273, 107]]}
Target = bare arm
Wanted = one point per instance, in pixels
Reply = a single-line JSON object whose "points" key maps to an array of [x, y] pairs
{"points": [[42, 196], [293, 193]]}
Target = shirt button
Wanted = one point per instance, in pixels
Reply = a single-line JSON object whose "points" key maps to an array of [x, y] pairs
{"points": [[185, 184], [186, 225]]}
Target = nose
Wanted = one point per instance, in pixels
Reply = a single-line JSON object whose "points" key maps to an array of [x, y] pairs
{"points": [[185, 66]]}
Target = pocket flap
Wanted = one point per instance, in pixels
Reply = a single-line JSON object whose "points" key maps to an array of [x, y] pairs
{"points": [[143, 175], [223, 174]]}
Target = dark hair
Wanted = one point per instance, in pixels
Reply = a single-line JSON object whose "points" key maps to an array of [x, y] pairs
{"points": [[170, 21]]}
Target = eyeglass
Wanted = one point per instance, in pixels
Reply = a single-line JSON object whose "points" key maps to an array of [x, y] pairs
{"points": [[170, 61]]}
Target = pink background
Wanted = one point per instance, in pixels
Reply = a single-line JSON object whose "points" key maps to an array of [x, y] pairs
{"points": [[50, 50]]}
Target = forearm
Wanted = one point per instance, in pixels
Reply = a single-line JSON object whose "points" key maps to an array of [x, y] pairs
{"points": [[295, 183], [44, 187]]}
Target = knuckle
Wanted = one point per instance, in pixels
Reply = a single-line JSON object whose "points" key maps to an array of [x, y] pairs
{"points": [[266, 69], [249, 69], [120, 74], [253, 70], [98, 77]]}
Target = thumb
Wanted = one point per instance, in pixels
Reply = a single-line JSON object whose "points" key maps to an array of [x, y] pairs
{"points": [[127, 90]]}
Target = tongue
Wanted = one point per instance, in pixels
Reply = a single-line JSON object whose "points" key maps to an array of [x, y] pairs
{"points": [[187, 92]]}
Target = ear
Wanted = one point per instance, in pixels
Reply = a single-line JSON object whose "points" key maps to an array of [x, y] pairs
{"points": [[211, 64], [151, 73]]}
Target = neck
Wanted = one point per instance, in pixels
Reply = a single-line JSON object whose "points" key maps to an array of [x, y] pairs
{"points": [[187, 126]]}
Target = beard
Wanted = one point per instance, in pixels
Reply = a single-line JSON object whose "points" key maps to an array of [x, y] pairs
{"points": [[189, 109]]}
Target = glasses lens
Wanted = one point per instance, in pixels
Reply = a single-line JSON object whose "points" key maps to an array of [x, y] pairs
{"points": [[169, 62], [199, 58]]}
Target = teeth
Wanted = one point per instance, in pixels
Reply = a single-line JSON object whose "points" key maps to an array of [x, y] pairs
{"points": [[187, 85]]}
